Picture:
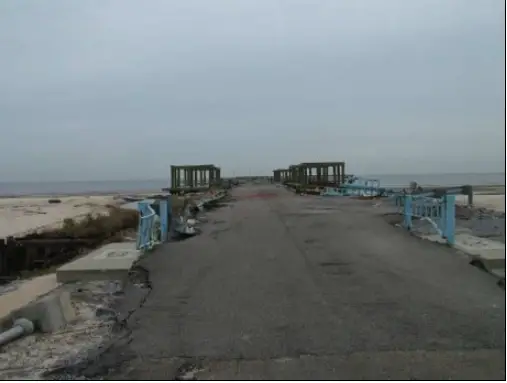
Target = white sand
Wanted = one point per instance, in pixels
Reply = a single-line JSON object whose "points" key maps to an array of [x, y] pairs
{"points": [[493, 202], [19, 216]]}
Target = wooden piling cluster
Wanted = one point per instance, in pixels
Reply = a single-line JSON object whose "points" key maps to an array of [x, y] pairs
{"points": [[192, 178], [312, 175]]}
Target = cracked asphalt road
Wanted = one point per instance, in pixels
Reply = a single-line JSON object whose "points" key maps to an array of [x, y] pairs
{"points": [[292, 287]]}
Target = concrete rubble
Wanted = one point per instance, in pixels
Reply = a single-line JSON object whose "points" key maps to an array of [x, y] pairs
{"points": [[480, 235], [71, 309], [31, 357]]}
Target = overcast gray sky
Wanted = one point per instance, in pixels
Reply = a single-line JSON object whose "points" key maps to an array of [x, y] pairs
{"points": [[122, 89]]}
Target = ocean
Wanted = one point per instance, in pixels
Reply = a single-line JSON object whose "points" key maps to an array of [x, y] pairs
{"points": [[97, 187]]}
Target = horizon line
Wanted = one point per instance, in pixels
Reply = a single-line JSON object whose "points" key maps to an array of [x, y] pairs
{"points": [[258, 175]]}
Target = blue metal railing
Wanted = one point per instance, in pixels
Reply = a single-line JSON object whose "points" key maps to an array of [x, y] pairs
{"points": [[440, 212], [154, 223], [146, 229], [360, 187], [156, 220]]}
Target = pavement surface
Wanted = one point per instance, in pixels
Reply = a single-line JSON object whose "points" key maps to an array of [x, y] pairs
{"points": [[287, 287]]}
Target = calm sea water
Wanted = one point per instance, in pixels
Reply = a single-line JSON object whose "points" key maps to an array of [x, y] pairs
{"points": [[78, 187]]}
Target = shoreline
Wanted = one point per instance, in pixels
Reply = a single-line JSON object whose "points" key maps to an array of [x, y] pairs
{"points": [[82, 194], [24, 214], [20, 216], [478, 188]]}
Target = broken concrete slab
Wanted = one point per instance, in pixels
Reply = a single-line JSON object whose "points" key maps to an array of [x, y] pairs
{"points": [[500, 273], [491, 259], [475, 245], [49, 313], [110, 262], [490, 253], [25, 293], [433, 238], [484, 253]]}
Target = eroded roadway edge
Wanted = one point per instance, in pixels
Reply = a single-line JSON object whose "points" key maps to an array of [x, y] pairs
{"points": [[292, 287]]}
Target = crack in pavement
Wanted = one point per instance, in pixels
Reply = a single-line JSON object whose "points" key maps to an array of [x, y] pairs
{"points": [[102, 360]]}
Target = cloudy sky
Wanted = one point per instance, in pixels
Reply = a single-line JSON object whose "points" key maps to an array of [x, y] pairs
{"points": [[122, 89]]}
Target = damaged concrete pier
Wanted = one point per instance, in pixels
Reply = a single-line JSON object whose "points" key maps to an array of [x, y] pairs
{"points": [[311, 175], [285, 288]]}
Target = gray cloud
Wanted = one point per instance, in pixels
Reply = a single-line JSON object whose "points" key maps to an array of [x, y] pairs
{"points": [[121, 89]]}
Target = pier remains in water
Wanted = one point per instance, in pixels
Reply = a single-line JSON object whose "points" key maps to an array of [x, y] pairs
{"points": [[193, 178]]}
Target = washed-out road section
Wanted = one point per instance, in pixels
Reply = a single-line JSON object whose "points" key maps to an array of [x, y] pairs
{"points": [[280, 286]]}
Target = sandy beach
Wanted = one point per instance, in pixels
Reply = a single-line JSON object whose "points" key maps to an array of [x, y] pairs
{"points": [[20, 216], [493, 202], [485, 196]]}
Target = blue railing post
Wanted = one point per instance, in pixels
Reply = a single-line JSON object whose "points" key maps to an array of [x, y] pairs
{"points": [[450, 217], [139, 229], [140, 243], [145, 235], [407, 211], [169, 214], [164, 222]]}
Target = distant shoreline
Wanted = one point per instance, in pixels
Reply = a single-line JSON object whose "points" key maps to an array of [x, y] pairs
{"points": [[481, 182], [493, 189], [82, 194]]}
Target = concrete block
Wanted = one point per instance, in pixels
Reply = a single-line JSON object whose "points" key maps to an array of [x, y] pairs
{"points": [[491, 259], [433, 238], [474, 245], [110, 262], [499, 273], [26, 292], [49, 313], [490, 253]]}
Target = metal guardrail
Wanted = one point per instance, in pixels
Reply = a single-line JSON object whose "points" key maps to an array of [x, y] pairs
{"points": [[156, 220], [360, 187], [146, 233], [154, 225], [439, 212], [181, 223]]}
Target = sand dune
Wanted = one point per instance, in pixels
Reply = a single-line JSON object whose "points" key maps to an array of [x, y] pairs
{"points": [[19, 216]]}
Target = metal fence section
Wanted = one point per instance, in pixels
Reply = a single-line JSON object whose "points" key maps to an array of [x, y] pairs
{"points": [[165, 218], [363, 187], [156, 218], [439, 212], [146, 230], [359, 187], [154, 222], [331, 192]]}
